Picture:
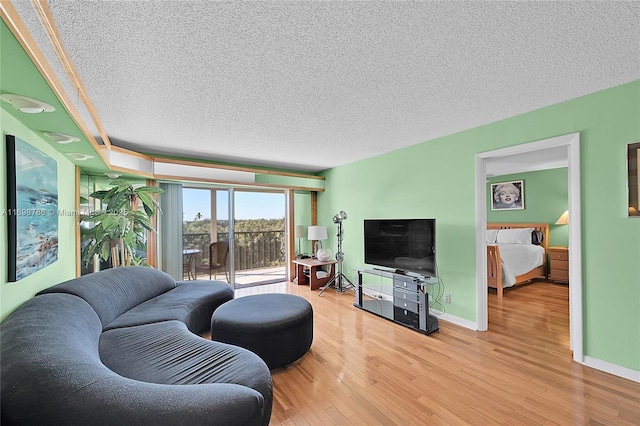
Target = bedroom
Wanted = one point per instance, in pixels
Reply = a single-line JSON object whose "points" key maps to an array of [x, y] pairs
{"points": [[545, 196]]}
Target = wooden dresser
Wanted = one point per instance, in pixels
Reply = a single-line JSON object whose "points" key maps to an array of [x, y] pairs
{"points": [[559, 264]]}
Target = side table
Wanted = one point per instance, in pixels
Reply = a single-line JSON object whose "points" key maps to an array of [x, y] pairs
{"points": [[190, 266], [314, 265], [559, 264]]}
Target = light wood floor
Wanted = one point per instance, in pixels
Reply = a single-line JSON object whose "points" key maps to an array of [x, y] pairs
{"points": [[365, 370]]}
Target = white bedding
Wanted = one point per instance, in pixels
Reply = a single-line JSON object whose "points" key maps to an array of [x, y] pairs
{"points": [[518, 259]]}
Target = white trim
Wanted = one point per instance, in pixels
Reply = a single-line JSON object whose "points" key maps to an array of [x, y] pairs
{"points": [[575, 250], [482, 314], [454, 320], [616, 370], [530, 146], [572, 142]]}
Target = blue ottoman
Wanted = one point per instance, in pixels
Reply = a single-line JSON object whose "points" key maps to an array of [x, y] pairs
{"points": [[276, 327]]}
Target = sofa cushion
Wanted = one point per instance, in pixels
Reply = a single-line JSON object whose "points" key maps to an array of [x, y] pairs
{"points": [[168, 353], [114, 291], [190, 302]]}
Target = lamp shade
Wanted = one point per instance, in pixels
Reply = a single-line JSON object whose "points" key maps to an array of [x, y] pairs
{"points": [[317, 233], [299, 231], [563, 219]]}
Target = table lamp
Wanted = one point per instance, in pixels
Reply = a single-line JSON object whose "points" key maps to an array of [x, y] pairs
{"points": [[563, 219], [317, 234]]}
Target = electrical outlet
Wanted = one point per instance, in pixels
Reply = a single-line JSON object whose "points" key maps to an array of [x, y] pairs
{"points": [[447, 298]]}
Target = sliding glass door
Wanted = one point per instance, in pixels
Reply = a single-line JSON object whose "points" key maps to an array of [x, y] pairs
{"points": [[248, 250], [259, 237], [205, 221]]}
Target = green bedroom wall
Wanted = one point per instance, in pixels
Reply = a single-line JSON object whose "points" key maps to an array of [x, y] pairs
{"points": [[546, 198], [437, 179], [13, 294]]}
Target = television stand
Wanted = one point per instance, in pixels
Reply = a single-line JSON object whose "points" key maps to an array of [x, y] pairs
{"points": [[407, 304]]}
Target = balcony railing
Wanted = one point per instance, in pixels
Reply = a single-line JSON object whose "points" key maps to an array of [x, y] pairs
{"points": [[258, 249]]}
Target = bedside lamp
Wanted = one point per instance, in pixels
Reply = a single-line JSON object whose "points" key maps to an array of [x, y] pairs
{"points": [[563, 219], [317, 234]]}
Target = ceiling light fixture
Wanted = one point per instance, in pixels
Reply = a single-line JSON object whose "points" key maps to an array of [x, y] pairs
{"points": [[112, 175], [61, 138], [79, 157], [26, 105]]}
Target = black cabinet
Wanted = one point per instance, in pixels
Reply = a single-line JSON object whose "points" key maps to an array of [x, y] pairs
{"points": [[405, 303]]}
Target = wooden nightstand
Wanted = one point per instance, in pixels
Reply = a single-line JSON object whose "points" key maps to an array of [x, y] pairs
{"points": [[559, 264]]}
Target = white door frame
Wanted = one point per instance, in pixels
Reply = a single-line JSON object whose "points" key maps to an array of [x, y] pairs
{"points": [[572, 143]]}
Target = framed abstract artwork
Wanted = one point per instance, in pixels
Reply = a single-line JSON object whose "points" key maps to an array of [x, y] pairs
{"points": [[32, 209], [507, 195]]}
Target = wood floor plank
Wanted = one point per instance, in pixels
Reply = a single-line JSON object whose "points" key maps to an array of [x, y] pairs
{"points": [[365, 370]]}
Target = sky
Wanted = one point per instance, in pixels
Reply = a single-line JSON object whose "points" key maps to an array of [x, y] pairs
{"points": [[249, 205]]}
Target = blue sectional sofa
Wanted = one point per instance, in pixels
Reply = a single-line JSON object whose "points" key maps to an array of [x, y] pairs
{"points": [[121, 347]]}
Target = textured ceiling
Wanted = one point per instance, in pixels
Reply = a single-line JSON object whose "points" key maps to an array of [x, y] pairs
{"points": [[313, 85]]}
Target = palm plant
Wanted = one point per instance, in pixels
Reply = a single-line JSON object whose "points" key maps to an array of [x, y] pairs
{"points": [[120, 223]]}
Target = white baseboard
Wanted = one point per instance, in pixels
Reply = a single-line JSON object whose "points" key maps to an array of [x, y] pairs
{"points": [[616, 370], [454, 319], [598, 364]]}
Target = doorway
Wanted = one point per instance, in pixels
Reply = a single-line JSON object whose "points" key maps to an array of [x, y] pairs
{"points": [[570, 146]]}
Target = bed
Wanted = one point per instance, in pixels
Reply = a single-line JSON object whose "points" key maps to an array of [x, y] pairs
{"points": [[511, 258]]}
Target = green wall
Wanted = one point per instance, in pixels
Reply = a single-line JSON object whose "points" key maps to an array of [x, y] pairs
{"points": [[546, 198], [290, 181], [437, 179], [14, 294]]}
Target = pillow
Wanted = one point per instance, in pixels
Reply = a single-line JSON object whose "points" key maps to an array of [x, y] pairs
{"points": [[491, 235], [514, 236]]}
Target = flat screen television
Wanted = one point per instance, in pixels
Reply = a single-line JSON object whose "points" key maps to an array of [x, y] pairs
{"points": [[406, 245]]}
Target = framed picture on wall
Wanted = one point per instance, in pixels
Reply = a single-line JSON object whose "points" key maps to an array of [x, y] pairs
{"points": [[32, 209], [507, 195], [633, 178]]}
